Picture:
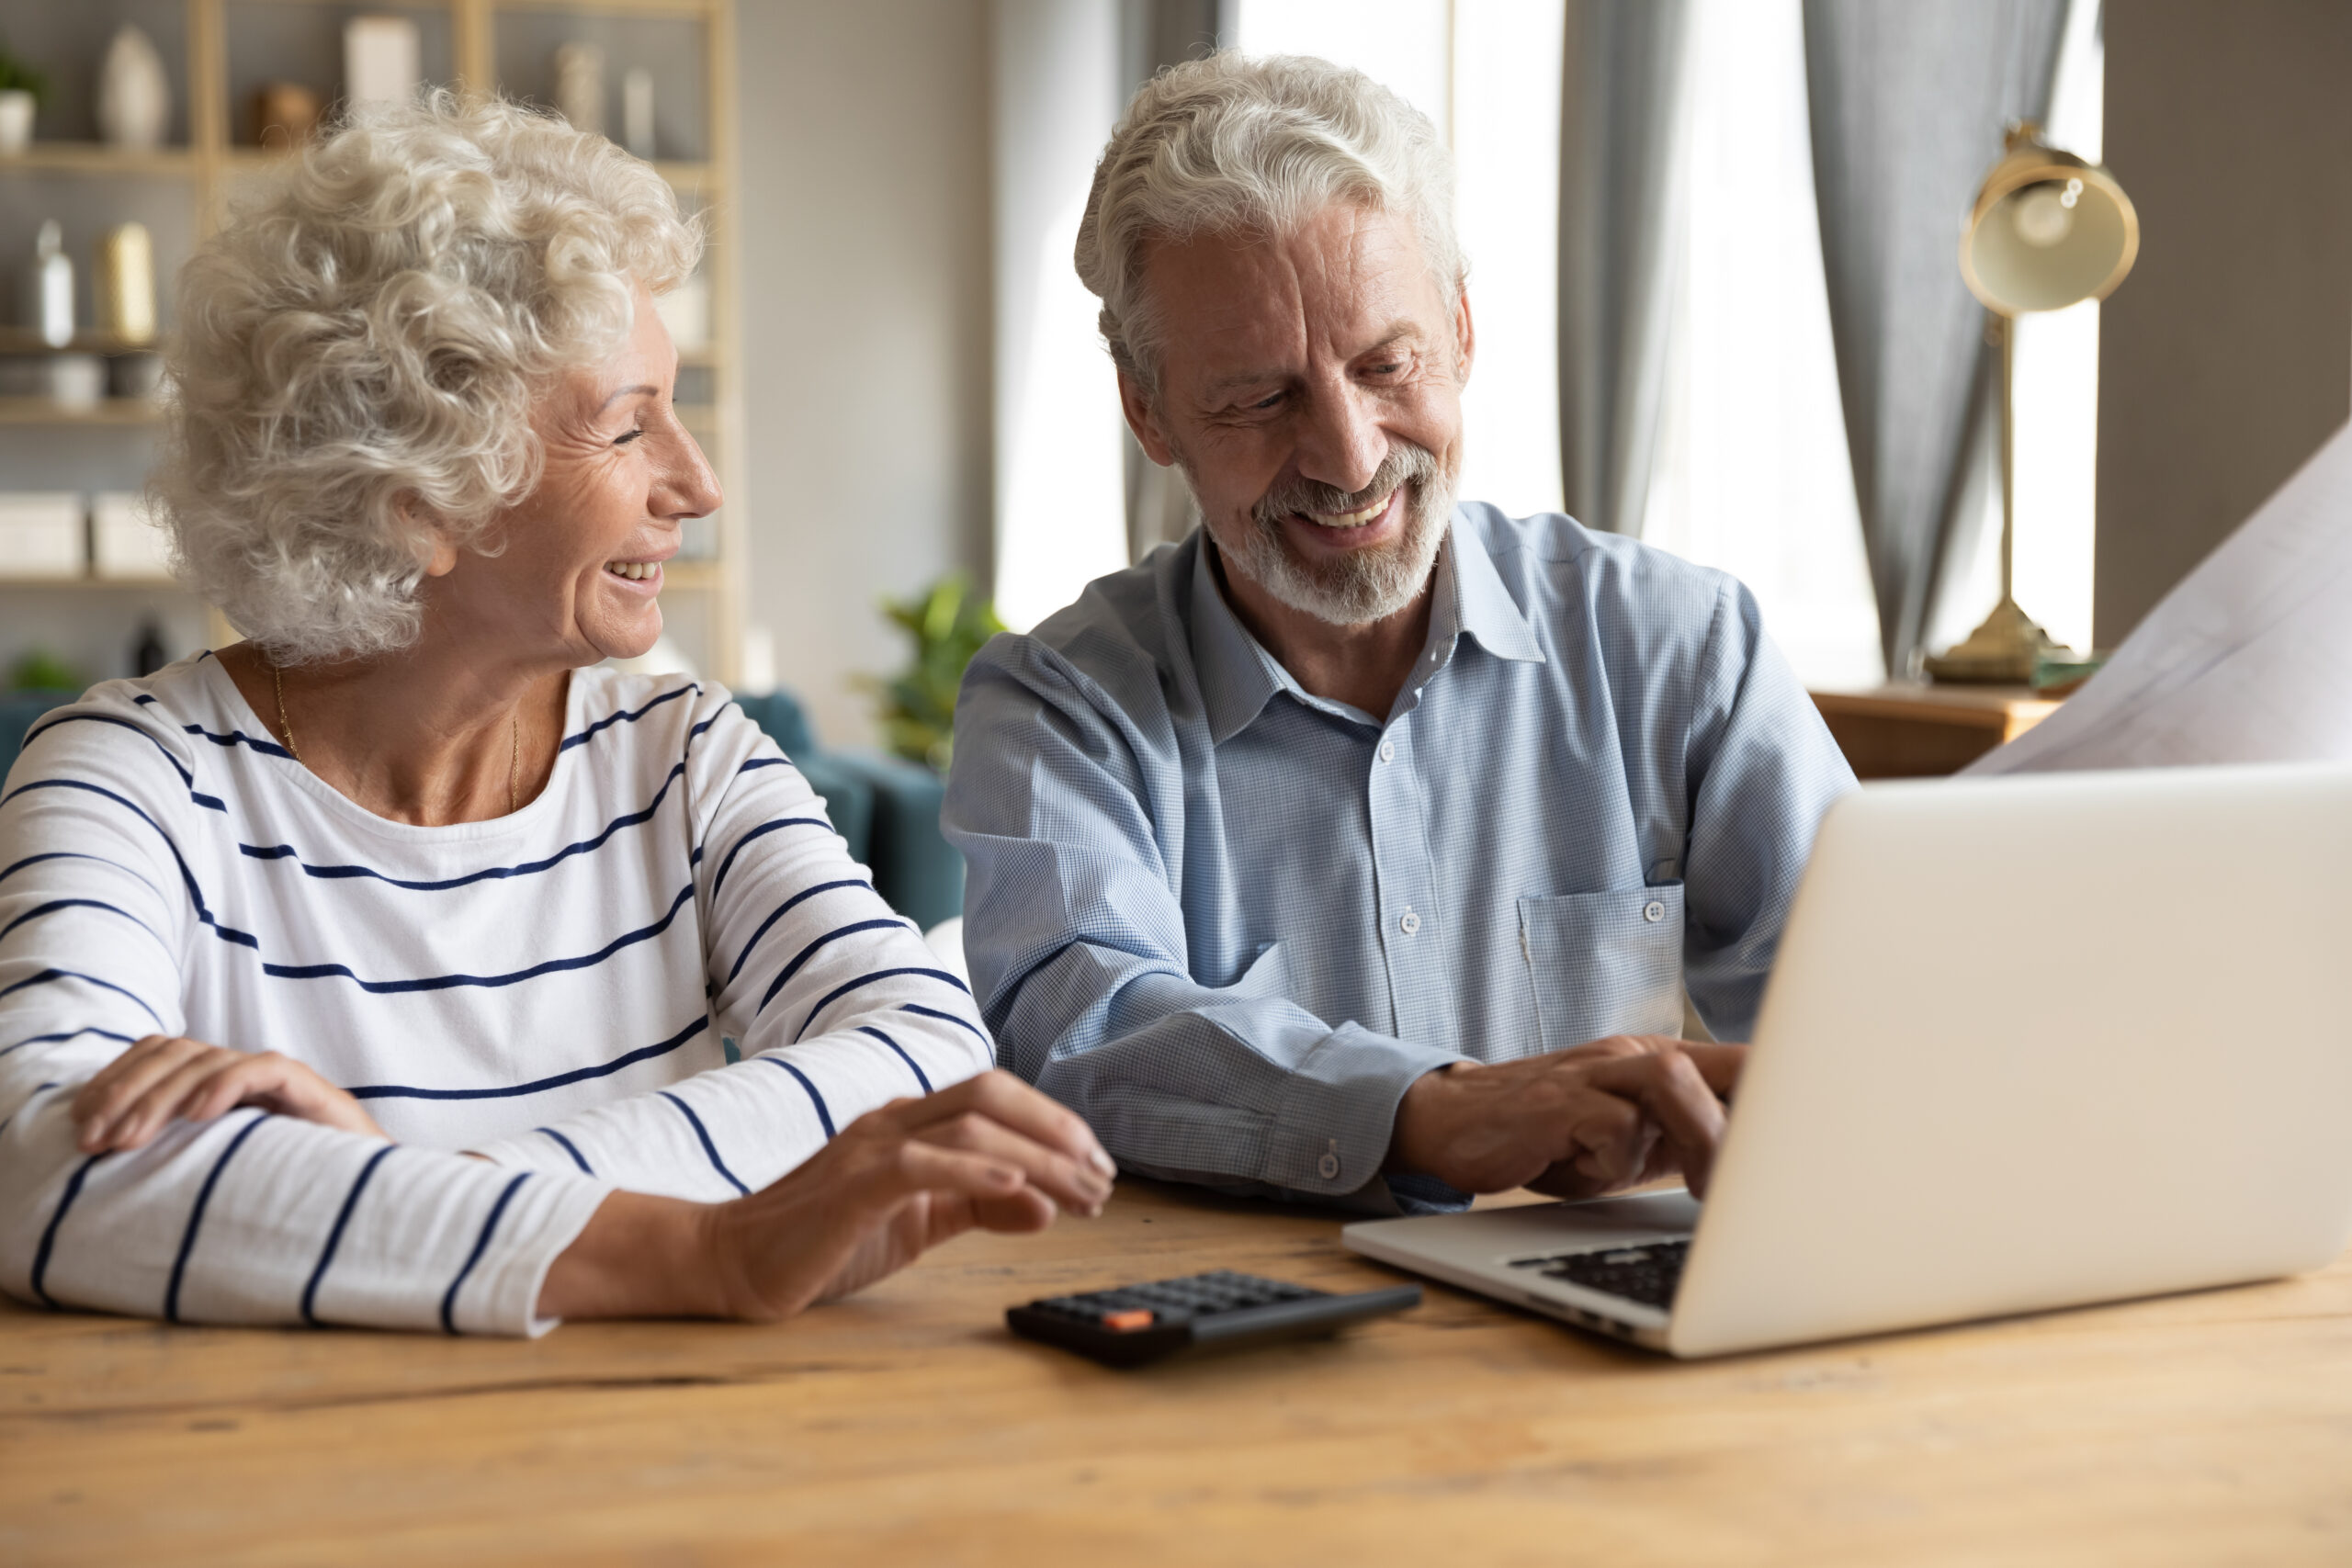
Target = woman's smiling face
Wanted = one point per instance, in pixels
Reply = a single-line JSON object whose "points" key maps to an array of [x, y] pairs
{"points": [[579, 570]]}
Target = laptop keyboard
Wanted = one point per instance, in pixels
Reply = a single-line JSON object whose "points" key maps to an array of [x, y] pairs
{"points": [[1644, 1274]]}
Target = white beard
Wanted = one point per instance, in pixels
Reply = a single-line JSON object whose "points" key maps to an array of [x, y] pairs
{"points": [[1358, 589]]}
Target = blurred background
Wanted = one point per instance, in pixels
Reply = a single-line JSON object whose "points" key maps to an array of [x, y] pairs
{"points": [[1713, 264]]}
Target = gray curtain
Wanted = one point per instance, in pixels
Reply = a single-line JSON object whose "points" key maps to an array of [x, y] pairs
{"points": [[1622, 82], [1909, 99], [1153, 35]]}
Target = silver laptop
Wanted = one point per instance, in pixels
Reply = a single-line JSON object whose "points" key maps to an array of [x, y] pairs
{"points": [[2030, 1043]]}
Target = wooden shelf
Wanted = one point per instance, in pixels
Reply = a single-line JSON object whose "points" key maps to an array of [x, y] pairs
{"points": [[97, 158], [211, 164], [690, 8], [118, 584], [24, 340], [111, 410]]}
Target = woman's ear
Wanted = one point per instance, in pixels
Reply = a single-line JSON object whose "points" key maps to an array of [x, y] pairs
{"points": [[439, 557]]}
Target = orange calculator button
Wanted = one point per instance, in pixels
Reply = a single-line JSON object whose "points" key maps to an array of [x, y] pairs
{"points": [[1128, 1321]]}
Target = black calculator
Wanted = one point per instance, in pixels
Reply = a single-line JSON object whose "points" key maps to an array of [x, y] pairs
{"points": [[1135, 1323]]}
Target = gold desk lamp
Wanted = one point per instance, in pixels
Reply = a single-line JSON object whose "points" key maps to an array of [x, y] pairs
{"points": [[2048, 230]]}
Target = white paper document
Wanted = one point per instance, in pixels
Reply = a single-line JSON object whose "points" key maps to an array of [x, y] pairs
{"points": [[2248, 660]]}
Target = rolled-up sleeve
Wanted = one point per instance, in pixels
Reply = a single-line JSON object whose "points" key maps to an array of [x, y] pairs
{"points": [[1069, 808]]}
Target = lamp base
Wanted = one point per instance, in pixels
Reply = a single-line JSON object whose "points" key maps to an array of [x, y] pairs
{"points": [[2002, 652]]}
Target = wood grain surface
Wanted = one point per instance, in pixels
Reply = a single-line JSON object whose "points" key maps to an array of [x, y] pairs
{"points": [[907, 1426]]}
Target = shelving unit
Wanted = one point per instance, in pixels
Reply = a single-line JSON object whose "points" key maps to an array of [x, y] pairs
{"points": [[687, 42]]}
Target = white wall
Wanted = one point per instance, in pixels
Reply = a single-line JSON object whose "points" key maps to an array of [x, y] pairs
{"points": [[865, 214]]}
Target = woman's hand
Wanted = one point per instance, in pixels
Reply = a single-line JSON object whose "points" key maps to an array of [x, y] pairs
{"points": [[990, 1151], [162, 1078]]}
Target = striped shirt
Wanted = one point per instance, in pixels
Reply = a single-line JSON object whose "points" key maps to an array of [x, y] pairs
{"points": [[553, 989], [1231, 922]]}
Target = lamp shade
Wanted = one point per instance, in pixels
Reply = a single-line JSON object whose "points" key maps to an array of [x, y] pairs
{"points": [[2047, 231]]}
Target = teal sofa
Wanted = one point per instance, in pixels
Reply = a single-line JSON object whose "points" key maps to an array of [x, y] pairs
{"points": [[887, 810]]}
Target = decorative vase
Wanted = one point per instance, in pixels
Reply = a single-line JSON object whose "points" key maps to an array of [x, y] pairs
{"points": [[125, 279], [17, 107], [134, 93], [580, 87], [379, 59], [49, 288], [282, 115], [636, 112]]}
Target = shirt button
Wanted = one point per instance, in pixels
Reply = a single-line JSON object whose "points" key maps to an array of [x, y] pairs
{"points": [[1388, 750], [1411, 923], [1327, 1167], [1652, 911]]}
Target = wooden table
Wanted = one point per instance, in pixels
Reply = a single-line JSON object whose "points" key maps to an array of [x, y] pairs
{"points": [[1909, 729], [906, 1426]]}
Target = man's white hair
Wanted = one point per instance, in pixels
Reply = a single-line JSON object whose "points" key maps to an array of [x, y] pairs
{"points": [[1232, 144], [358, 350]]}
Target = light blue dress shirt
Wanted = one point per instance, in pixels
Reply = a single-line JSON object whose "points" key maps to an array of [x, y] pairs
{"points": [[1230, 922]]}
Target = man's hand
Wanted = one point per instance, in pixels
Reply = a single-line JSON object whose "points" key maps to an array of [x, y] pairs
{"points": [[1573, 1124], [989, 1152], [162, 1078]]}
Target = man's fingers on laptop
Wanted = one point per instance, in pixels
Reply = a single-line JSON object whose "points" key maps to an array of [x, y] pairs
{"points": [[1720, 1065], [1670, 1088]]}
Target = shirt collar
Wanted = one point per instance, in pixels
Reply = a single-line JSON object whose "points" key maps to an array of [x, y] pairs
{"points": [[1483, 606], [1239, 677]]}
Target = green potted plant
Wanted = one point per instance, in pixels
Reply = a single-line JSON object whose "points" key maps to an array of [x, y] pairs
{"points": [[23, 89], [947, 623]]}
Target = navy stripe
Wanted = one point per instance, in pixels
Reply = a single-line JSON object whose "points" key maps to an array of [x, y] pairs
{"points": [[54, 905], [69, 1034], [52, 721], [196, 1215], [580, 1075], [839, 991], [49, 1236], [778, 913], [46, 975], [76, 855], [765, 762], [912, 1065], [529, 868], [239, 738], [769, 827], [481, 1245], [334, 1236], [572, 1149], [187, 878], [699, 728], [607, 722], [962, 1023], [824, 1117], [707, 1146], [801, 957], [450, 982]]}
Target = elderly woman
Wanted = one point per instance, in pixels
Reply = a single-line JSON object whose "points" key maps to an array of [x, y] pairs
{"points": [[378, 969]]}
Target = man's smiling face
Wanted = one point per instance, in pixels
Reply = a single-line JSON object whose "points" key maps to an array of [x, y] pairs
{"points": [[1310, 389]]}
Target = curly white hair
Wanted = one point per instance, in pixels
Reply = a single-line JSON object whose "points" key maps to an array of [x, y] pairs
{"points": [[358, 349], [1240, 144]]}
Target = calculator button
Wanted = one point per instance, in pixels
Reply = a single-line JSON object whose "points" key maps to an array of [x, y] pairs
{"points": [[1128, 1321]]}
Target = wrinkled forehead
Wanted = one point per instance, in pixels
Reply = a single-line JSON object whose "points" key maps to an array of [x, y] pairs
{"points": [[1338, 283]]}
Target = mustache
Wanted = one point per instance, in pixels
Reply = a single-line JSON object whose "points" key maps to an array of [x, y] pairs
{"points": [[1405, 464]]}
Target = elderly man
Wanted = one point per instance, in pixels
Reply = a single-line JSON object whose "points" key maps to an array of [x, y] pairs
{"points": [[1361, 846]]}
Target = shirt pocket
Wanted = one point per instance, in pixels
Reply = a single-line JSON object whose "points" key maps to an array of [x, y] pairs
{"points": [[1605, 964]]}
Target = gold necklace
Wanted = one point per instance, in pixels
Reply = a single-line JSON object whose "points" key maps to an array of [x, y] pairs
{"points": [[513, 738]]}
